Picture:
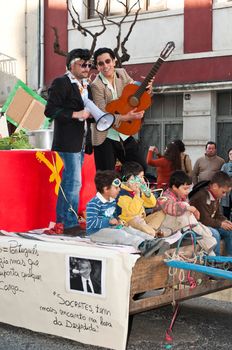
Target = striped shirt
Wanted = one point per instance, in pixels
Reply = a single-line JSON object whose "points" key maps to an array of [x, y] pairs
{"points": [[172, 204], [99, 211]]}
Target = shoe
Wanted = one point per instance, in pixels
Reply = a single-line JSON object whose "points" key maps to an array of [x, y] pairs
{"points": [[150, 246], [165, 246], [58, 229], [74, 231]]}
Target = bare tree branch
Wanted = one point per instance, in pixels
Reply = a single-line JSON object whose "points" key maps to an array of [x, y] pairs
{"points": [[56, 44], [125, 56], [83, 30], [122, 56]]}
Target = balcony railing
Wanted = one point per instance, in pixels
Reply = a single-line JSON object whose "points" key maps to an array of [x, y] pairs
{"points": [[7, 64]]}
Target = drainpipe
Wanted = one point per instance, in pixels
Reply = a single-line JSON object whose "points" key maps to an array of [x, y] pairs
{"points": [[41, 48]]}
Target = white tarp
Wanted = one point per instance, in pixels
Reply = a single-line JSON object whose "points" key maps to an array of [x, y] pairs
{"points": [[36, 293]]}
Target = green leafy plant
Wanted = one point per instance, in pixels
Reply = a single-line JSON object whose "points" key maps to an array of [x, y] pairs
{"points": [[18, 140]]}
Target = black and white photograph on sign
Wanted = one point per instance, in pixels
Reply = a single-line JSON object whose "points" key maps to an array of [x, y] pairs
{"points": [[86, 275]]}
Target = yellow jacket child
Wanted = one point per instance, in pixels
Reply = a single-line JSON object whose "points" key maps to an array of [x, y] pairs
{"points": [[132, 200]]}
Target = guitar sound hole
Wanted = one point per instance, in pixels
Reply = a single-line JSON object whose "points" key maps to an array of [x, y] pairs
{"points": [[133, 101]]}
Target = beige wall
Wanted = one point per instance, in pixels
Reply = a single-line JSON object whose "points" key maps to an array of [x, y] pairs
{"points": [[19, 40]]}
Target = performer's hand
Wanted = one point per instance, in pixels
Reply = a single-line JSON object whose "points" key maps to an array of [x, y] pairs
{"points": [[149, 87], [81, 115], [132, 115]]}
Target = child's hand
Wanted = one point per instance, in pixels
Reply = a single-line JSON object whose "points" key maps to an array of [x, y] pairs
{"points": [[194, 211], [226, 225], [114, 221], [197, 214], [137, 190]]}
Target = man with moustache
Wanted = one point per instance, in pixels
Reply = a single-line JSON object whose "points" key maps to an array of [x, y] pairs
{"points": [[206, 166]]}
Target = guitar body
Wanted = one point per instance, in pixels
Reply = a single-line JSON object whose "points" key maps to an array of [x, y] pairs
{"points": [[125, 104], [134, 96]]}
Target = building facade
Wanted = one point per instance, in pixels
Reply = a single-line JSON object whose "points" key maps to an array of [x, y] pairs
{"points": [[193, 87]]}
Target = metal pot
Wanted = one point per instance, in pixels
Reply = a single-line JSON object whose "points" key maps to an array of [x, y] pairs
{"points": [[41, 138]]}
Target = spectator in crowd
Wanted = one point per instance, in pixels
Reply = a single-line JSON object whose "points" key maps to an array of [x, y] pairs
{"points": [[111, 145], [103, 226], [66, 106], [206, 166], [226, 201], [180, 215], [207, 200], [186, 164], [165, 164]]}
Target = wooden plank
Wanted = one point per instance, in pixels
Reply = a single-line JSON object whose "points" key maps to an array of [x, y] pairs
{"points": [[152, 273], [167, 297], [150, 277]]}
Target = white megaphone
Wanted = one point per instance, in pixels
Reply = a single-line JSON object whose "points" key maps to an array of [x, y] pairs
{"points": [[103, 120]]}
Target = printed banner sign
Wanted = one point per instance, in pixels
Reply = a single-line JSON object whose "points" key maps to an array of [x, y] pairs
{"points": [[72, 291]]}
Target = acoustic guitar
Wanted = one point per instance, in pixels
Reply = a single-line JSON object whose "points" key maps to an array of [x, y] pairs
{"points": [[134, 96]]}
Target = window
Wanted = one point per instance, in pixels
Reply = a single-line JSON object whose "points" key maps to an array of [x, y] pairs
{"points": [[114, 7], [224, 122], [163, 122]]}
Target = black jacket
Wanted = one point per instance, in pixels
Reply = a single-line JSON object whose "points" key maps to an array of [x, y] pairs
{"points": [[76, 283], [64, 98]]}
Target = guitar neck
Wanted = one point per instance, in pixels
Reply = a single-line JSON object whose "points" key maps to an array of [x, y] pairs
{"points": [[150, 75]]}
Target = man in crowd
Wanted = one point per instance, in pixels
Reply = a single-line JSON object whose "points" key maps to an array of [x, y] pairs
{"points": [[206, 166]]}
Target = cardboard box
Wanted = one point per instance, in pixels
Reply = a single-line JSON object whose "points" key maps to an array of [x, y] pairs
{"points": [[25, 108]]}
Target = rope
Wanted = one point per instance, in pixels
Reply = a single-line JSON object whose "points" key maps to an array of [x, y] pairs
{"points": [[181, 277], [169, 336], [180, 273]]}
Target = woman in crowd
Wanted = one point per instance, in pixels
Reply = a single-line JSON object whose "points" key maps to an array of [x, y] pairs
{"points": [[186, 164], [165, 164], [226, 201]]}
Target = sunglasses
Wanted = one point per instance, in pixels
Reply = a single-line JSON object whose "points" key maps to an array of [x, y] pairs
{"points": [[101, 63], [116, 182], [86, 65]]}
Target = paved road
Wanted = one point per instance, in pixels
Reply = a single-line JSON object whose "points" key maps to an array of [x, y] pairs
{"points": [[202, 324]]}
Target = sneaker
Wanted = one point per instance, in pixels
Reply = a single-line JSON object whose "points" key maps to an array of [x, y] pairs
{"points": [[58, 229], [150, 246], [74, 231], [165, 246]]}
